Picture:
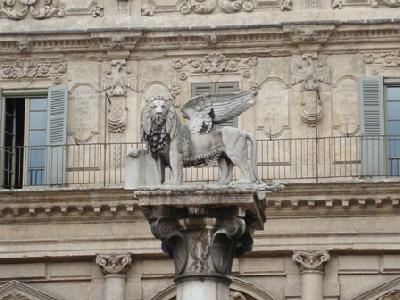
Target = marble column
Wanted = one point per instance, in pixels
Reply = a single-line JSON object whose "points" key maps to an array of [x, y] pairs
{"points": [[311, 264], [114, 268], [203, 229]]}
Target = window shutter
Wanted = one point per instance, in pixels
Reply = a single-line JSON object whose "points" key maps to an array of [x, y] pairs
{"points": [[372, 125], [228, 87], [202, 88], [56, 134]]}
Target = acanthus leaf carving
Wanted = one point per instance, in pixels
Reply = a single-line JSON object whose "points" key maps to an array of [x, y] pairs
{"points": [[114, 263], [386, 59], [31, 69], [49, 8], [311, 260]]}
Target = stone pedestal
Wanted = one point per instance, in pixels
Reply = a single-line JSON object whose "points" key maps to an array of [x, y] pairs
{"points": [[203, 228]]}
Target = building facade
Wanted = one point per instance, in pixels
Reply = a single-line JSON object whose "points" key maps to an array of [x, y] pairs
{"points": [[74, 76]]}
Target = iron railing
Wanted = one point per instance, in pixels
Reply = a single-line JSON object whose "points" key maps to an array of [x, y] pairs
{"points": [[287, 160]]}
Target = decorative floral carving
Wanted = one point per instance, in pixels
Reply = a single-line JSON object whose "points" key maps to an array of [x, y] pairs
{"points": [[28, 68], [311, 260], [310, 72], [116, 81], [114, 264], [49, 8], [215, 63], [392, 295], [387, 59], [208, 6]]}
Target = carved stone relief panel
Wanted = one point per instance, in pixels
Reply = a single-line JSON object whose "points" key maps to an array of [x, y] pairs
{"points": [[345, 106], [272, 109], [311, 74], [33, 69], [339, 4], [212, 6], [44, 9], [84, 113]]}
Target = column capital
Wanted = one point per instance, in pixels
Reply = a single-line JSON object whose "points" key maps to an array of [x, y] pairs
{"points": [[311, 260], [114, 263]]}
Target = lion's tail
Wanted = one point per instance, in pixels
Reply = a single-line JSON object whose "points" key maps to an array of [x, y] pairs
{"points": [[253, 158]]}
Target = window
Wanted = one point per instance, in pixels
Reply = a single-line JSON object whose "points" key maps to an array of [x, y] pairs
{"points": [[380, 126], [218, 87], [392, 128], [33, 132]]}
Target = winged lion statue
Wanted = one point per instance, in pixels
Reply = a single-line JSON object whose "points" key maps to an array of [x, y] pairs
{"points": [[176, 145]]}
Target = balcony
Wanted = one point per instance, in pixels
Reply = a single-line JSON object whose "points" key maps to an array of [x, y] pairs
{"points": [[325, 159]]}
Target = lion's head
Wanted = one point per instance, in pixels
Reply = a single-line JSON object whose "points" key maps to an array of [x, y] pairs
{"points": [[158, 122]]}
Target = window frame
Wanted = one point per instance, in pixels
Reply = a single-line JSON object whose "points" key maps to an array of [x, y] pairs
{"points": [[388, 83], [25, 94]]}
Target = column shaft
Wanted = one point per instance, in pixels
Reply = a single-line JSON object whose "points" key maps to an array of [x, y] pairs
{"points": [[114, 287], [208, 289], [312, 285]]}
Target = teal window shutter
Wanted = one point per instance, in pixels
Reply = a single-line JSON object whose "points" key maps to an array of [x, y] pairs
{"points": [[228, 87], [56, 134], [372, 125]]}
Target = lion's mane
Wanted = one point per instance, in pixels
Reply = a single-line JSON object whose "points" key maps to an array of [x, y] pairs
{"points": [[158, 137]]}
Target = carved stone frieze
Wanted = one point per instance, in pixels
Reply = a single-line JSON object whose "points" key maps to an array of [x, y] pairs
{"points": [[209, 6], [214, 63], [114, 263], [39, 9], [311, 260], [386, 59], [387, 3], [31, 69], [310, 72]]}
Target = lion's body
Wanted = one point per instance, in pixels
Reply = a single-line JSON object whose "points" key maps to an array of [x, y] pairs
{"points": [[172, 144]]}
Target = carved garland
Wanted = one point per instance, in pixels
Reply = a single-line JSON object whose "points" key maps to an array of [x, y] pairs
{"points": [[214, 63], [32, 69], [392, 295], [49, 8], [373, 3], [386, 59]]}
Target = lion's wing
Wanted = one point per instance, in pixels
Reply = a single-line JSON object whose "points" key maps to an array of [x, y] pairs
{"points": [[208, 109]]}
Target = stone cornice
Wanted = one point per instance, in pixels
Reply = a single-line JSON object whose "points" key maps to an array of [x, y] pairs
{"points": [[335, 199], [277, 40], [297, 199]]}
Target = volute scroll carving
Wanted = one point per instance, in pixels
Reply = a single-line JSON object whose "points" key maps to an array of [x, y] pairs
{"points": [[311, 260], [114, 263]]}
